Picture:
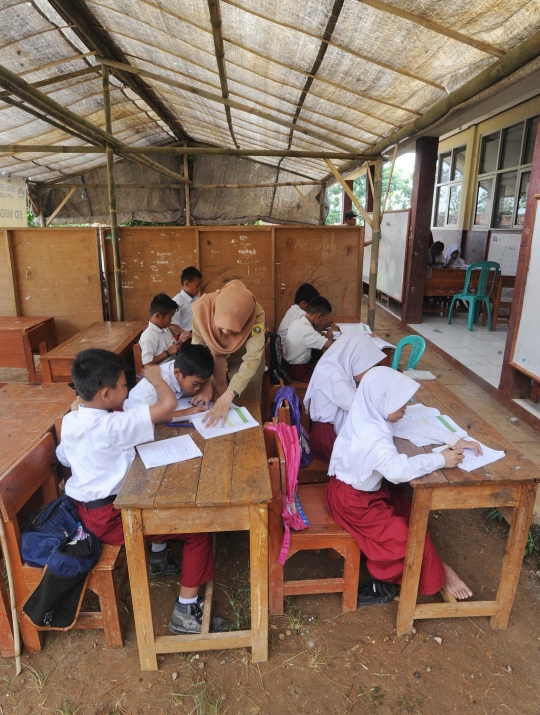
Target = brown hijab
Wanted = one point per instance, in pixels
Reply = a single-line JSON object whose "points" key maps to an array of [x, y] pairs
{"points": [[231, 308]]}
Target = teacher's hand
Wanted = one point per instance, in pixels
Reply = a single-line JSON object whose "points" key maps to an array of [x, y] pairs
{"points": [[216, 416], [203, 398]]}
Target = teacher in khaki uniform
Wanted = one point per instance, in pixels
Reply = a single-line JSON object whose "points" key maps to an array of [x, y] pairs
{"points": [[230, 323]]}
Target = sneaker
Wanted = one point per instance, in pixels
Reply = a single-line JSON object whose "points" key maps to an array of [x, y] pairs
{"points": [[187, 618], [162, 564]]}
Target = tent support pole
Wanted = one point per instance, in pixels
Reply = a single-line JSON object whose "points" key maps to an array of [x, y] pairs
{"points": [[186, 189], [376, 237]]}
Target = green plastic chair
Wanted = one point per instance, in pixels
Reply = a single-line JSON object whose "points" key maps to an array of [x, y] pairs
{"points": [[418, 346], [475, 299]]}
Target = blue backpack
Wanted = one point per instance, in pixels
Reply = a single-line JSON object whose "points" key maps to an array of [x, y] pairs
{"points": [[289, 394]]}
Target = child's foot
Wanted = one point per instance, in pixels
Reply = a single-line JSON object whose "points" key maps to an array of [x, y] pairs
{"points": [[162, 564], [455, 585], [187, 618]]}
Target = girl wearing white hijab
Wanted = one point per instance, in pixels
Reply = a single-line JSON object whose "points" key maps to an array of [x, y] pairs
{"points": [[332, 388], [452, 257], [357, 498]]}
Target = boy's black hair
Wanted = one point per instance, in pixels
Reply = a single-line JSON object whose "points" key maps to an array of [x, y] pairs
{"points": [[163, 304], [437, 246], [195, 360], [319, 305], [306, 292], [349, 215], [93, 369], [189, 273]]}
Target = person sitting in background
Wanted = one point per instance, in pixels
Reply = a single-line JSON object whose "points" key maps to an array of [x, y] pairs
{"points": [[307, 337], [349, 218], [157, 343], [452, 258], [304, 294], [186, 376], [182, 320], [436, 254]]}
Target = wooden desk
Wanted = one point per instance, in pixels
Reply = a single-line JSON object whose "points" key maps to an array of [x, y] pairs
{"points": [[228, 489], [19, 336], [27, 412], [117, 337], [448, 281], [512, 482]]}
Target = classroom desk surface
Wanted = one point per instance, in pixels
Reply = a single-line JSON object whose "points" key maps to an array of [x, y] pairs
{"points": [[119, 337], [510, 482], [228, 489], [20, 335], [448, 281]]}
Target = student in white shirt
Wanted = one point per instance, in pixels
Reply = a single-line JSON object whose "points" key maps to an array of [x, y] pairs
{"points": [[358, 499], [98, 443], [332, 388], [452, 257], [157, 343], [186, 376], [309, 333], [190, 280], [304, 294]]}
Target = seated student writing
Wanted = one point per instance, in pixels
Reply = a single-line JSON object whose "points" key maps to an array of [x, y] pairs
{"points": [[307, 337], [436, 255], [360, 501], [452, 258], [182, 321], [186, 376], [304, 294], [157, 343], [332, 388], [98, 443]]}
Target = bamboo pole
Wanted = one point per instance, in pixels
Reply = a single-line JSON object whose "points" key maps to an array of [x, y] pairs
{"points": [[349, 192], [307, 203], [186, 190], [322, 197], [58, 78], [57, 63], [112, 198], [41, 215], [268, 185], [389, 180], [60, 206], [12, 600], [43, 117], [217, 33], [376, 237]]}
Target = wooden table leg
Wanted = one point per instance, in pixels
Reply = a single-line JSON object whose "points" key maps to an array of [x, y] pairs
{"points": [[513, 558], [258, 550], [7, 644], [140, 587], [29, 358], [413, 560]]}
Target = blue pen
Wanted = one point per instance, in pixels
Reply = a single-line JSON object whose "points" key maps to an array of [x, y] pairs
{"points": [[179, 424]]}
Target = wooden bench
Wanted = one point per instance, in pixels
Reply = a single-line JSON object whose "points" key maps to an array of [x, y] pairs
{"points": [[497, 301], [20, 337]]}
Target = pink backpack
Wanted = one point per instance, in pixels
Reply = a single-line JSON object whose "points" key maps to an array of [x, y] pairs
{"points": [[293, 515]]}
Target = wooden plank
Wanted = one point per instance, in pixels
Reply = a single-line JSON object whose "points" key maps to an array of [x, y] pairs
{"points": [[307, 586], [476, 496], [459, 609], [258, 559], [9, 301], [195, 519], [45, 392], [202, 641], [215, 481], [140, 487]]}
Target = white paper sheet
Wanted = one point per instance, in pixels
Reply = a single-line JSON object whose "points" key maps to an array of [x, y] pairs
{"points": [[472, 462], [184, 403], [420, 374], [380, 343], [237, 420], [361, 328], [431, 416], [168, 451]]}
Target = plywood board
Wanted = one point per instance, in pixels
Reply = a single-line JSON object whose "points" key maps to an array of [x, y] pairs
{"points": [[392, 253], [504, 249], [152, 259], [239, 252], [526, 352], [325, 256], [8, 293], [57, 274]]}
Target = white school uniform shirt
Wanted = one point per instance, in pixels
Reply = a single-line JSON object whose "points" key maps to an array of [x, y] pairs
{"points": [[301, 339], [293, 313], [145, 394], [154, 341], [99, 446], [184, 315]]}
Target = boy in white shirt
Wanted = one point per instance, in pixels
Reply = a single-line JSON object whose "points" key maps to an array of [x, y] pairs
{"points": [[98, 443], [186, 376], [157, 343], [309, 333], [304, 294], [190, 280]]}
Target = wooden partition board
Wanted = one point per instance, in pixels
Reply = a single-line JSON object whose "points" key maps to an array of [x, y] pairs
{"points": [[328, 257], [56, 272], [152, 259]]}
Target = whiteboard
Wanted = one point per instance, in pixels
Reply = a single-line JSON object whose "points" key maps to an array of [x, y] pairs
{"points": [[504, 249], [392, 251], [526, 353]]}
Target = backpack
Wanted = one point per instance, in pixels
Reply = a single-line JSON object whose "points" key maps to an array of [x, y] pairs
{"points": [[289, 394], [293, 515], [278, 367]]}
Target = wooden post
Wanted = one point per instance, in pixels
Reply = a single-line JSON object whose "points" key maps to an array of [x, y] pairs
{"points": [[347, 202], [186, 189], [322, 197], [112, 198], [376, 236], [419, 232], [41, 215]]}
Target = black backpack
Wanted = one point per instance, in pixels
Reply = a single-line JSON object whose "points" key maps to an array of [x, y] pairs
{"points": [[278, 366]]}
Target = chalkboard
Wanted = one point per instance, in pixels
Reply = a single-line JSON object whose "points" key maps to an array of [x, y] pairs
{"points": [[526, 352], [504, 249], [392, 252]]}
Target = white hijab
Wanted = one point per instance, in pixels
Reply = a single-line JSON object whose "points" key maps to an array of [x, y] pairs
{"points": [[453, 247], [331, 389], [367, 437]]}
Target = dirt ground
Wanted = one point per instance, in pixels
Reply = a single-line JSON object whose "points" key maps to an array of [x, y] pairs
{"points": [[320, 660]]}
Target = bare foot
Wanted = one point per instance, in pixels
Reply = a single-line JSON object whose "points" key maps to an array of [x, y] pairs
{"points": [[455, 585]]}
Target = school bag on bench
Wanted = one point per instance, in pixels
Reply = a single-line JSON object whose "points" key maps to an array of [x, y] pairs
{"points": [[279, 374], [53, 539], [289, 394]]}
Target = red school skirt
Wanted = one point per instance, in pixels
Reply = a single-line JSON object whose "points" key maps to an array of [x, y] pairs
{"points": [[321, 439]]}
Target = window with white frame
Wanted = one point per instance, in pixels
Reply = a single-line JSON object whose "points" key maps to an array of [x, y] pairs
{"points": [[504, 172], [450, 169]]}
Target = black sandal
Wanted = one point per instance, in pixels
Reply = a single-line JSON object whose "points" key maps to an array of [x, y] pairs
{"points": [[376, 593]]}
